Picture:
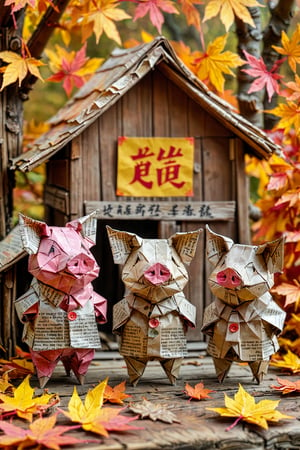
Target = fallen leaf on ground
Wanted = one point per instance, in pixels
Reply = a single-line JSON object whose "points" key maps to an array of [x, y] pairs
{"points": [[5, 385], [154, 411], [41, 432], [287, 386], [290, 361], [23, 404], [243, 407], [198, 392], [115, 394]]}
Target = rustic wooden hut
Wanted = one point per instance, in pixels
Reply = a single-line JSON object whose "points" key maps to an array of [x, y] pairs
{"points": [[146, 91]]}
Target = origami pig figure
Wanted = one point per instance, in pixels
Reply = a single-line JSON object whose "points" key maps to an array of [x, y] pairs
{"points": [[60, 311], [153, 317], [244, 320]]}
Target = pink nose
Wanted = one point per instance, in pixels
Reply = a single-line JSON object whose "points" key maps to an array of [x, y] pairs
{"points": [[228, 278], [80, 264], [157, 274]]}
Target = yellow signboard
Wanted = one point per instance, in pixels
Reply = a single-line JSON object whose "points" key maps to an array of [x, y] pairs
{"points": [[155, 166]]}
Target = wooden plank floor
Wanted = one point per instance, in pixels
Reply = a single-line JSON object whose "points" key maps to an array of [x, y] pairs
{"points": [[198, 427]]}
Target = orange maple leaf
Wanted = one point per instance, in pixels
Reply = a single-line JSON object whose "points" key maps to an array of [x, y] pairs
{"points": [[115, 394], [294, 86], [72, 68], [289, 361], [214, 63], [243, 407], [290, 48], [17, 68], [228, 9], [191, 12], [287, 386], [291, 292], [198, 392], [41, 432], [289, 116]]}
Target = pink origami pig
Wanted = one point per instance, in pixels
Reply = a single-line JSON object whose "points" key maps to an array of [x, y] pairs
{"points": [[60, 311], [152, 319], [243, 321]]}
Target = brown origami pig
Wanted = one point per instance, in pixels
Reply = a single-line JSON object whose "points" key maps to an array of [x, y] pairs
{"points": [[60, 311], [243, 320], [152, 319]]}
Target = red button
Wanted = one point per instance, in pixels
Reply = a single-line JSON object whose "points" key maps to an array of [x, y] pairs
{"points": [[233, 327], [72, 315], [153, 323]]}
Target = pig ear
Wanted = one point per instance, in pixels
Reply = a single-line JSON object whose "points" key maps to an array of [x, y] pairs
{"points": [[122, 243], [185, 244], [216, 245], [31, 232], [273, 253], [86, 225]]}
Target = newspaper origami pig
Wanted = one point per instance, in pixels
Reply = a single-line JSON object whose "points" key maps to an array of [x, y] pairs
{"points": [[244, 320], [60, 311], [153, 318]]}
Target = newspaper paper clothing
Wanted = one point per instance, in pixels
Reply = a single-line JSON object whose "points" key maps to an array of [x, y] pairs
{"points": [[60, 311], [153, 318], [243, 321]]}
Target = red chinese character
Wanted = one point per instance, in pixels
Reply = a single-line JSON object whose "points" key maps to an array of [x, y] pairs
{"points": [[168, 174], [173, 153], [142, 170], [142, 153]]}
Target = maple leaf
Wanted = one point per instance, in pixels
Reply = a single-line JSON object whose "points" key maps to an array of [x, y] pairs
{"points": [[155, 411], [243, 407], [191, 12], [16, 5], [287, 386], [213, 64], [102, 14], [294, 86], [153, 7], [17, 68], [18, 368], [115, 394], [198, 392], [72, 68], [291, 291], [289, 116], [23, 403], [41, 432], [266, 79], [109, 419], [290, 48], [289, 361], [228, 9], [5, 385]]}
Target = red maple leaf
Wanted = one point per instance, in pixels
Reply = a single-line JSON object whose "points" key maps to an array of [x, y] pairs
{"points": [[264, 78], [154, 7]]}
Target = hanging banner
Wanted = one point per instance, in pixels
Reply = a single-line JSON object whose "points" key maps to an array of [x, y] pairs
{"points": [[155, 166]]}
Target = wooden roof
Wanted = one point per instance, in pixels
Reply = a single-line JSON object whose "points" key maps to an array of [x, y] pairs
{"points": [[115, 77]]}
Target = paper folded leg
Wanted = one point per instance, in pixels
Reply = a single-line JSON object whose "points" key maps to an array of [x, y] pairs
{"points": [[258, 368], [136, 368], [77, 360]]}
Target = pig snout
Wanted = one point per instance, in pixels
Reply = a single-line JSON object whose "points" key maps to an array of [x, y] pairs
{"points": [[80, 264], [157, 274], [228, 278]]}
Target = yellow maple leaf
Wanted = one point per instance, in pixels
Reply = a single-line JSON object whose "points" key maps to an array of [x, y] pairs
{"points": [[23, 403], [228, 9], [290, 361], [213, 64], [290, 48], [289, 115], [101, 15], [17, 68], [243, 407]]}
